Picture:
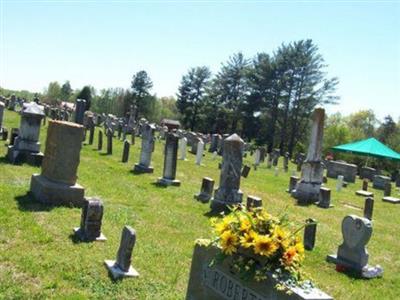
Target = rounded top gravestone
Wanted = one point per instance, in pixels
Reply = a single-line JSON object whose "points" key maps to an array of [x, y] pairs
{"points": [[356, 231]]}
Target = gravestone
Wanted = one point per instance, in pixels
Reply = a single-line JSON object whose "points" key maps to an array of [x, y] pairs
{"points": [[100, 141], [57, 182], [245, 171], [352, 254], [1, 115], [368, 208], [80, 107], [195, 141], [339, 183], [125, 153], [26, 146], [336, 168], [146, 151], [388, 189], [182, 148], [109, 141], [170, 161], [122, 267], [199, 152], [253, 202], [292, 183], [257, 157], [324, 197], [368, 173], [307, 189], [275, 157], [398, 181], [269, 161], [218, 281], [91, 218], [214, 143], [228, 192], [286, 162], [364, 191], [207, 187], [310, 234], [91, 135], [379, 182]]}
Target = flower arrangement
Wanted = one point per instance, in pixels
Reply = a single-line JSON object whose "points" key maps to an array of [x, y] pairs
{"points": [[259, 245]]}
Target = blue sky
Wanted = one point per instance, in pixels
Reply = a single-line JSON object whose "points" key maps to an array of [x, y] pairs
{"points": [[103, 43]]}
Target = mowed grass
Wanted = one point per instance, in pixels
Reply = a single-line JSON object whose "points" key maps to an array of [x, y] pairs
{"points": [[38, 258]]}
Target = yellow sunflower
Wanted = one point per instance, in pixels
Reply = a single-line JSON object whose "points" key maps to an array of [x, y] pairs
{"points": [[229, 242], [245, 224], [289, 256], [265, 245], [247, 240], [281, 236], [224, 224]]}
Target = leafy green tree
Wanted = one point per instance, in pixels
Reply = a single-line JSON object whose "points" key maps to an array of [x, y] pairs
{"points": [[362, 124], [141, 85], [66, 91], [192, 95], [53, 93]]}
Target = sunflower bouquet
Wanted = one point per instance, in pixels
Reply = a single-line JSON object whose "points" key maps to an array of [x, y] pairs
{"points": [[259, 245]]}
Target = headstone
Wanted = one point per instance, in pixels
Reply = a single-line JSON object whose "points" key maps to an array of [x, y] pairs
{"points": [[324, 197], [207, 187], [199, 152], [214, 143], [228, 192], [109, 141], [80, 107], [336, 168], [310, 233], [368, 173], [339, 183], [398, 181], [365, 185], [122, 266], [379, 182], [368, 208], [257, 156], [147, 149], [195, 141], [286, 162], [125, 153], [170, 161], [364, 191], [253, 202], [57, 182], [245, 171], [352, 254], [292, 183], [388, 189], [182, 148], [275, 157], [100, 141], [307, 189], [91, 135], [214, 281], [91, 218], [276, 171], [26, 147]]}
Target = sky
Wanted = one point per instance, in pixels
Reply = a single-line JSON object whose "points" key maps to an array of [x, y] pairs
{"points": [[103, 43]]}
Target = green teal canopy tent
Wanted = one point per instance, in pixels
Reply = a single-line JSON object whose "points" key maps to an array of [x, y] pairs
{"points": [[369, 147]]}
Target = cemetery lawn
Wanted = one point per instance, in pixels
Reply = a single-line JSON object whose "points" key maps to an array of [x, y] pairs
{"points": [[39, 259]]}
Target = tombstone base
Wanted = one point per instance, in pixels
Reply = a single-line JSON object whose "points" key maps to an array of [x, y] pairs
{"points": [[323, 205], [364, 193], [116, 272], [167, 182], [204, 198], [218, 205], [391, 200], [16, 156], [142, 169], [366, 272], [78, 232], [50, 192], [306, 193]]}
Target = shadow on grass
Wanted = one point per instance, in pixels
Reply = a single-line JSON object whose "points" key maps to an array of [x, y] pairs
{"points": [[4, 160], [28, 203], [159, 185], [106, 154]]}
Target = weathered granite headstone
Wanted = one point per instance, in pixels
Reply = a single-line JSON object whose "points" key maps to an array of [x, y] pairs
{"points": [[339, 183], [388, 189], [214, 143], [253, 202], [286, 162], [368, 173], [195, 141], [379, 182], [182, 148], [365, 185], [310, 233], [218, 282], [80, 107], [122, 266], [257, 157], [245, 171], [336, 168], [207, 187], [100, 141], [125, 153], [228, 192], [368, 208], [307, 189], [146, 151], [275, 157], [352, 253], [26, 147], [91, 218], [57, 182], [364, 191], [109, 141], [324, 197], [199, 152], [170, 161], [292, 183]]}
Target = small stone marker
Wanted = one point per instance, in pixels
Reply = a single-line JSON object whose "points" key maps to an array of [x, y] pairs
{"points": [[368, 208], [310, 233], [292, 183], [365, 185], [339, 183], [92, 215], [207, 188], [276, 171], [257, 157], [122, 266], [245, 171], [253, 201], [109, 141], [91, 135], [100, 141], [388, 189], [182, 148], [125, 153], [352, 254], [199, 152], [324, 197], [286, 162]]}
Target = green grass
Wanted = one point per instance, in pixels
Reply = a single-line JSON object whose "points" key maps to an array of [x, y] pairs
{"points": [[38, 258]]}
